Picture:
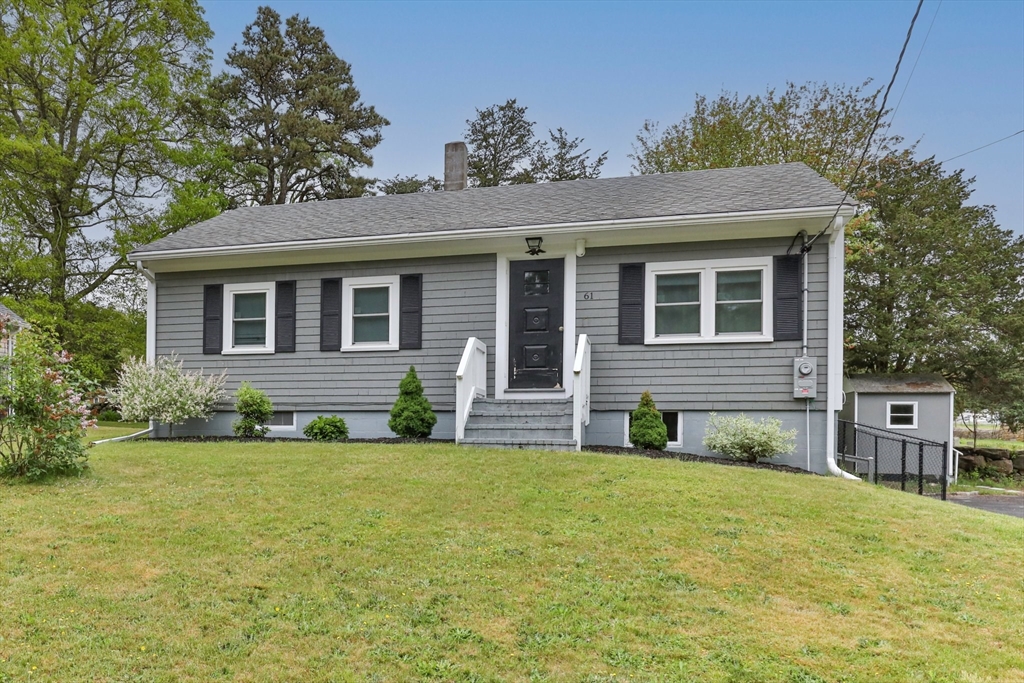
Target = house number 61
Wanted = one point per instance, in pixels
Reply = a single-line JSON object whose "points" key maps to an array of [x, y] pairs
{"points": [[587, 296]]}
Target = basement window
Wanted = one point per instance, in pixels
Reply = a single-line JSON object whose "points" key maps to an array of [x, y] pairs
{"points": [[673, 420]]}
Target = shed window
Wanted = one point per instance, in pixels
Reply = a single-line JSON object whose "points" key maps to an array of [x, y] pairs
{"points": [[902, 415]]}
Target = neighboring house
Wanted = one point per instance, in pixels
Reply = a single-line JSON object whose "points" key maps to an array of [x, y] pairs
{"points": [[11, 324], [912, 406], [534, 314]]}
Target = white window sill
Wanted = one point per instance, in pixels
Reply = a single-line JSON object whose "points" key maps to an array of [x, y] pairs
{"points": [[719, 339], [246, 352], [907, 427], [370, 347]]}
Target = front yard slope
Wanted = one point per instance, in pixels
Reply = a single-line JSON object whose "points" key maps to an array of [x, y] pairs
{"points": [[288, 561]]}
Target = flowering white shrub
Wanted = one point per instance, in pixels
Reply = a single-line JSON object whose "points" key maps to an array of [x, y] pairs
{"points": [[740, 438], [166, 392]]}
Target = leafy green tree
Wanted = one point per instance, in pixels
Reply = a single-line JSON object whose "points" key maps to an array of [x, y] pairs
{"points": [[933, 284], [95, 128], [410, 185], [825, 126], [297, 128], [647, 428], [412, 416]]}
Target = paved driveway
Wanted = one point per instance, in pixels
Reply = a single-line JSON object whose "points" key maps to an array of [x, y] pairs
{"points": [[1003, 505]]}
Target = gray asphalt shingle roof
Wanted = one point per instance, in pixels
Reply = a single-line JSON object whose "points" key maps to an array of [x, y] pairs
{"points": [[920, 383], [754, 188], [10, 315]]}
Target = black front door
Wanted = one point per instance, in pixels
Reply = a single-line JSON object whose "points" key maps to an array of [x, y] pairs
{"points": [[535, 306]]}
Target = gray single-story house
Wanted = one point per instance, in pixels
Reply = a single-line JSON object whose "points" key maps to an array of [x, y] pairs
{"points": [[535, 314], [909, 406], [12, 324]]}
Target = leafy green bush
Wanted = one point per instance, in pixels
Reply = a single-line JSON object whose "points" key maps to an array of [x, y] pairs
{"points": [[43, 410], [326, 428], [108, 416], [412, 416], [740, 438], [255, 410], [647, 429]]}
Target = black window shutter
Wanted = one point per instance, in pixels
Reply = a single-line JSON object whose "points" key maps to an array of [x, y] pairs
{"points": [[284, 323], [213, 318], [410, 320], [631, 303], [330, 314], [788, 298]]}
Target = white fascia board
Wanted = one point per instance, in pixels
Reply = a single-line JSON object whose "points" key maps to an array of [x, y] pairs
{"points": [[482, 239]]}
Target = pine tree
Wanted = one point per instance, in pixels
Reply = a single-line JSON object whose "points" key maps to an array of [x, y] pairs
{"points": [[412, 416], [648, 430]]}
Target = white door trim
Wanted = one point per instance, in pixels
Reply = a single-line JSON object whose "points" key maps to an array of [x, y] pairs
{"points": [[501, 389]]}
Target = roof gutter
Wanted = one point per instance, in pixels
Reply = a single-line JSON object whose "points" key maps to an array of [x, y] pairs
{"points": [[490, 233]]}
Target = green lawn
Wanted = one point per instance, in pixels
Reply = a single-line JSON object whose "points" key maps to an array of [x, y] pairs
{"points": [[305, 562], [110, 430], [991, 443]]}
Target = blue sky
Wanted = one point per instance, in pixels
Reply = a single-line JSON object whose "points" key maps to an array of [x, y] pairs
{"points": [[601, 69]]}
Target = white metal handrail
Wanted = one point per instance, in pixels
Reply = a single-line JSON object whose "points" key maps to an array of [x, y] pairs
{"points": [[581, 390], [470, 383]]}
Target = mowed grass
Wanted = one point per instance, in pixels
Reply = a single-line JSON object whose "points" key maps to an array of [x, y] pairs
{"points": [[306, 562]]}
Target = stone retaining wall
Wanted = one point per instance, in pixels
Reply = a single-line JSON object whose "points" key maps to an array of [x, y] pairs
{"points": [[1004, 462]]}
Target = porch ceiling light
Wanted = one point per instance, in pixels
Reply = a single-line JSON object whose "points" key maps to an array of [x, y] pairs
{"points": [[533, 245]]}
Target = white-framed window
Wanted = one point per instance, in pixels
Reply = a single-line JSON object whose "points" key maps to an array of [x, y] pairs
{"points": [[673, 420], [724, 300], [901, 414], [282, 421], [249, 318], [369, 313]]}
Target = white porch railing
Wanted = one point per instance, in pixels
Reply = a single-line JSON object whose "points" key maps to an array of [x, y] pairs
{"points": [[470, 383], [581, 390]]}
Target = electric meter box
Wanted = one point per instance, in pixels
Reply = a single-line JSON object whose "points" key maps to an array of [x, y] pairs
{"points": [[805, 377]]}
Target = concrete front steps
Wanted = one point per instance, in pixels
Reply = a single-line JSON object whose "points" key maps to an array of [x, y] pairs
{"points": [[521, 423]]}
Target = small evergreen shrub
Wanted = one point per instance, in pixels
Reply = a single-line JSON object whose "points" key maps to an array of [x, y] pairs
{"points": [[740, 438], [255, 410], [648, 430], [326, 428], [412, 416]]}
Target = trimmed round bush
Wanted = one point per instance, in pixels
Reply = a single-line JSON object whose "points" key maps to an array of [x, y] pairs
{"points": [[326, 428], [412, 416], [648, 430], [254, 409]]}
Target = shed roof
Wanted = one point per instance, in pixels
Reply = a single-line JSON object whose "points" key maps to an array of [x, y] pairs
{"points": [[921, 383], [12, 316], [726, 190]]}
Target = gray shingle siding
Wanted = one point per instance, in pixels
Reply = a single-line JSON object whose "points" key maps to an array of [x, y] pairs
{"points": [[458, 302], [713, 376]]}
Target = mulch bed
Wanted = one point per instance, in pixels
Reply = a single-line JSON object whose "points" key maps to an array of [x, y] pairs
{"points": [[689, 457], [238, 439]]}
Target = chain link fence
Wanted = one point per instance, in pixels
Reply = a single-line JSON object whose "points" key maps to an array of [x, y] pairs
{"points": [[893, 459]]}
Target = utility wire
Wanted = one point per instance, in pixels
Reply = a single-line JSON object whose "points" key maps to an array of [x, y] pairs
{"points": [[878, 119], [912, 70], [983, 146]]}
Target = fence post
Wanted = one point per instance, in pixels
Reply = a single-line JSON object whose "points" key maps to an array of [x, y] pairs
{"points": [[876, 458], [945, 467], [920, 469], [903, 466]]}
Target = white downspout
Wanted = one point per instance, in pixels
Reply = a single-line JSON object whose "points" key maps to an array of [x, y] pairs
{"points": [[836, 257], [150, 322]]}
